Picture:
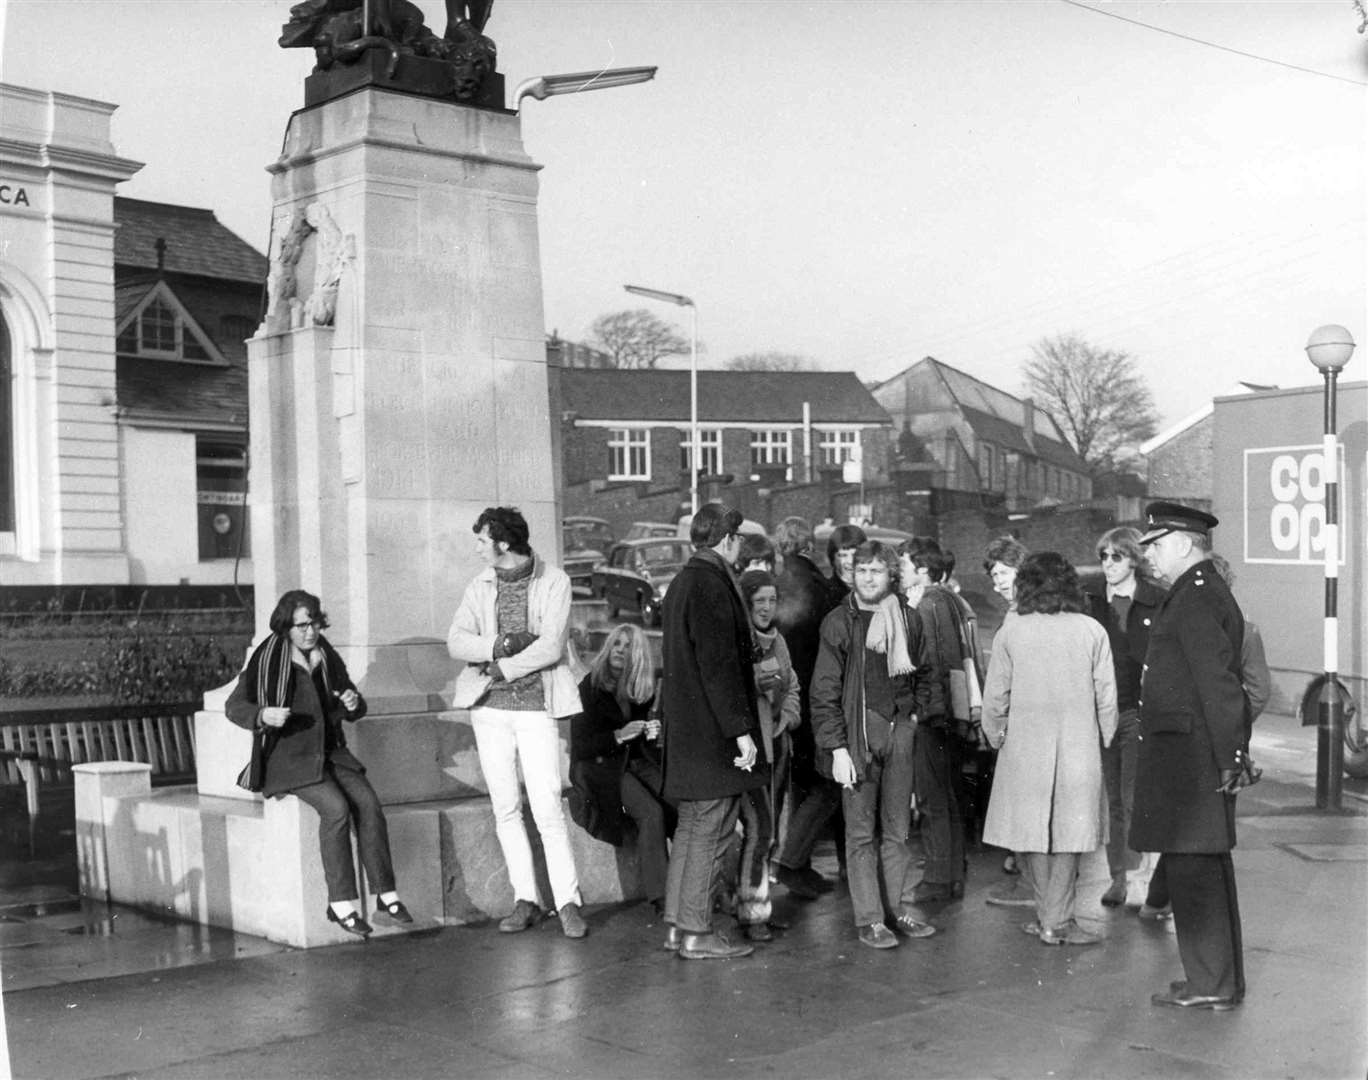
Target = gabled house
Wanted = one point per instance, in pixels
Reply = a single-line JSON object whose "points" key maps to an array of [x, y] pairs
{"points": [[123, 384], [975, 445], [630, 430], [187, 296]]}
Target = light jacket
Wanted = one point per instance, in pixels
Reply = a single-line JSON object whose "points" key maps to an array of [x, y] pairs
{"points": [[475, 627]]}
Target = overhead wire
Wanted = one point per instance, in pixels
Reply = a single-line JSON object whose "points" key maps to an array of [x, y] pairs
{"points": [[1215, 45]]}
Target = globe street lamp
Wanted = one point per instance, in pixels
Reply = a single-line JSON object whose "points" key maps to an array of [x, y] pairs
{"points": [[1329, 349], [684, 301]]}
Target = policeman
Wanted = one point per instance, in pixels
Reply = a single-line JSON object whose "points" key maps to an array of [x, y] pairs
{"points": [[1191, 735]]}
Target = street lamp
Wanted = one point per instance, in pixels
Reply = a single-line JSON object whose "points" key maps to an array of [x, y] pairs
{"points": [[684, 301], [545, 86], [1329, 349]]}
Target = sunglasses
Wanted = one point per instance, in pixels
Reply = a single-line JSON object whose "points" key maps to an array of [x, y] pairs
{"points": [[1111, 556], [310, 625]]}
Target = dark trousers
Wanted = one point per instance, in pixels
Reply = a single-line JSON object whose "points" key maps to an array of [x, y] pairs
{"points": [[809, 817], [1118, 774], [878, 816], [1206, 916], [939, 758], [696, 858], [341, 797], [640, 783]]}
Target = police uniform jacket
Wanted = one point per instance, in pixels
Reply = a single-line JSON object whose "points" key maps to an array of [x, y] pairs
{"points": [[1191, 719], [708, 686]]}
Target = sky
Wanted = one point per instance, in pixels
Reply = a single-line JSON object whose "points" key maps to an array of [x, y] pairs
{"points": [[862, 183]]}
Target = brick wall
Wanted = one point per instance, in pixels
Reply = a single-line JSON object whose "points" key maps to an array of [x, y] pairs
{"points": [[1181, 469]]}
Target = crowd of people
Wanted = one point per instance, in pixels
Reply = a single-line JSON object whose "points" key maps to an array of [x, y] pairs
{"points": [[1111, 714]]}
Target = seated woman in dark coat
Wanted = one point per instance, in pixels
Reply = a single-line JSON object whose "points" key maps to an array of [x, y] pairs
{"points": [[296, 687], [613, 748]]}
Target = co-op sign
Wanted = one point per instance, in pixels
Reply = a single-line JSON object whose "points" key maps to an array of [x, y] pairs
{"points": [[1285, 504]]}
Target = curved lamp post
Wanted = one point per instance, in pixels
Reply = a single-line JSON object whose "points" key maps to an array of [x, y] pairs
{"points": [[684, 301], [1329, 349], [544, 86]]}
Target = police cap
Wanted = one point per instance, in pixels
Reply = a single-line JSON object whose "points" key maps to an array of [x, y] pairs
{"points": [[1162, 518]]}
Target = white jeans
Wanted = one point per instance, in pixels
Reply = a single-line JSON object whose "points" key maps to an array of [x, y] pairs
{"points": [[504, 738]]}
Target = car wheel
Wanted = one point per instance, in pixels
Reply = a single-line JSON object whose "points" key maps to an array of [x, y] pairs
{"points": [[650, 614]]}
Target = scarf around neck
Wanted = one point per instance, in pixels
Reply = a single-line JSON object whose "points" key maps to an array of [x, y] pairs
{"points": [[273, 658], [888, 635]]}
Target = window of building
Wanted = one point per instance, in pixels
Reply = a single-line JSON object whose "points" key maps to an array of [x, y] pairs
{"points": [[837, 447], [629, 454], [7, 477], [771, 448], [160, 328], [709, 448], [221, 480]]}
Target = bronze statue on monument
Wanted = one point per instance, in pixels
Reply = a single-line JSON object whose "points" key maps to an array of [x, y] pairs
{"points": [[387, 43]]}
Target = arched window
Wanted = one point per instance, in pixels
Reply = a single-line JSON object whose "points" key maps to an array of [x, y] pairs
{"points": [[7, 478]]}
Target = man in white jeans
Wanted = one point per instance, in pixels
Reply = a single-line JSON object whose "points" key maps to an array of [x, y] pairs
{"points": [[513, 621]]}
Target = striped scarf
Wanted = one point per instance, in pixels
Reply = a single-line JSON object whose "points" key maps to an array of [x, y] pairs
{"points": [[272, 659]]}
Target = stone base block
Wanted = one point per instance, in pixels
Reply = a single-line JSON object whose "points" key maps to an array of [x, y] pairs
{"points": [[254, 867]]}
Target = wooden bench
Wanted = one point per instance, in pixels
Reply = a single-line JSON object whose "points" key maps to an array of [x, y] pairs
{"points": [[38, 747]]}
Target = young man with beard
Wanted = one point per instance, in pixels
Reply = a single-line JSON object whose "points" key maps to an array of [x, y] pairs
{"points": [[868, 688]]}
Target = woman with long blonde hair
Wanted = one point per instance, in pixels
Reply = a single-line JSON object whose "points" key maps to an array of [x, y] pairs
{"points": [[614, 753]]}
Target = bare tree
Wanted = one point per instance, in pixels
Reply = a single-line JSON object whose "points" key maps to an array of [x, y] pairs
{"points": [[1097, 394], [771, 361], [637, 339]]}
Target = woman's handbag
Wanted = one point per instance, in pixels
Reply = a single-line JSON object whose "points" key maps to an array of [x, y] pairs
{"points": [[253, 775], [471, 686]]}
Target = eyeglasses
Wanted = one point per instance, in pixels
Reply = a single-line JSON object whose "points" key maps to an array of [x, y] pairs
{"points": [[312, 624], [1111, 556]]}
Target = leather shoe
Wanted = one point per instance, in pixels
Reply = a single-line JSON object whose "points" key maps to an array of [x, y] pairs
{"points": [[1181, 999], [711, 947], [758, 931], [1013, 895], [1115, 896], [572, 922], [797, 883], [909, 925], [352, 923], [878, 936], [673, 937], [524, 914], [1155, 914], [396, 912]]}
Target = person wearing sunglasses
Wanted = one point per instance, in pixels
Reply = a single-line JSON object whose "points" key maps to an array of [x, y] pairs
{"points": [[1126, 602], [296, 687]]}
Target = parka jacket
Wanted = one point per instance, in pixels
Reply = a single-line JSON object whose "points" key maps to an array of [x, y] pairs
{"points": [[475, 628], [838, 684], [1049, 703], [708, 684], [1192, 719]]}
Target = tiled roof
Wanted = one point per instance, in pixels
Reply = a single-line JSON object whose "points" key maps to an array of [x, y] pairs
{"points": [[758, 397], [213, 393], [196, 243]]}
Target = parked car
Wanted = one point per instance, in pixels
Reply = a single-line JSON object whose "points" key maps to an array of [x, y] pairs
{"points": [[637, 574], [747, 527], [643, 530], [583, 543]]}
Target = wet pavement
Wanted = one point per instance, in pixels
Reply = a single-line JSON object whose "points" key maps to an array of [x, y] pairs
{"points": [[96, 991]]}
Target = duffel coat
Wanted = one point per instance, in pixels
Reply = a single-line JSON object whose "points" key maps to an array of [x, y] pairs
{"points": [[1192, 709], [299, 749], [1049, 702], [708, 686]]}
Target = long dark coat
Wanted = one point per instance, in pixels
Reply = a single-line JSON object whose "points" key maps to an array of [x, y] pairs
{"points": [[1191, 719], [708, 689]]}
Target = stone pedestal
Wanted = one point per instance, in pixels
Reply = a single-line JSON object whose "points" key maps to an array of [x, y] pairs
{"points": [[398, 387]]}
